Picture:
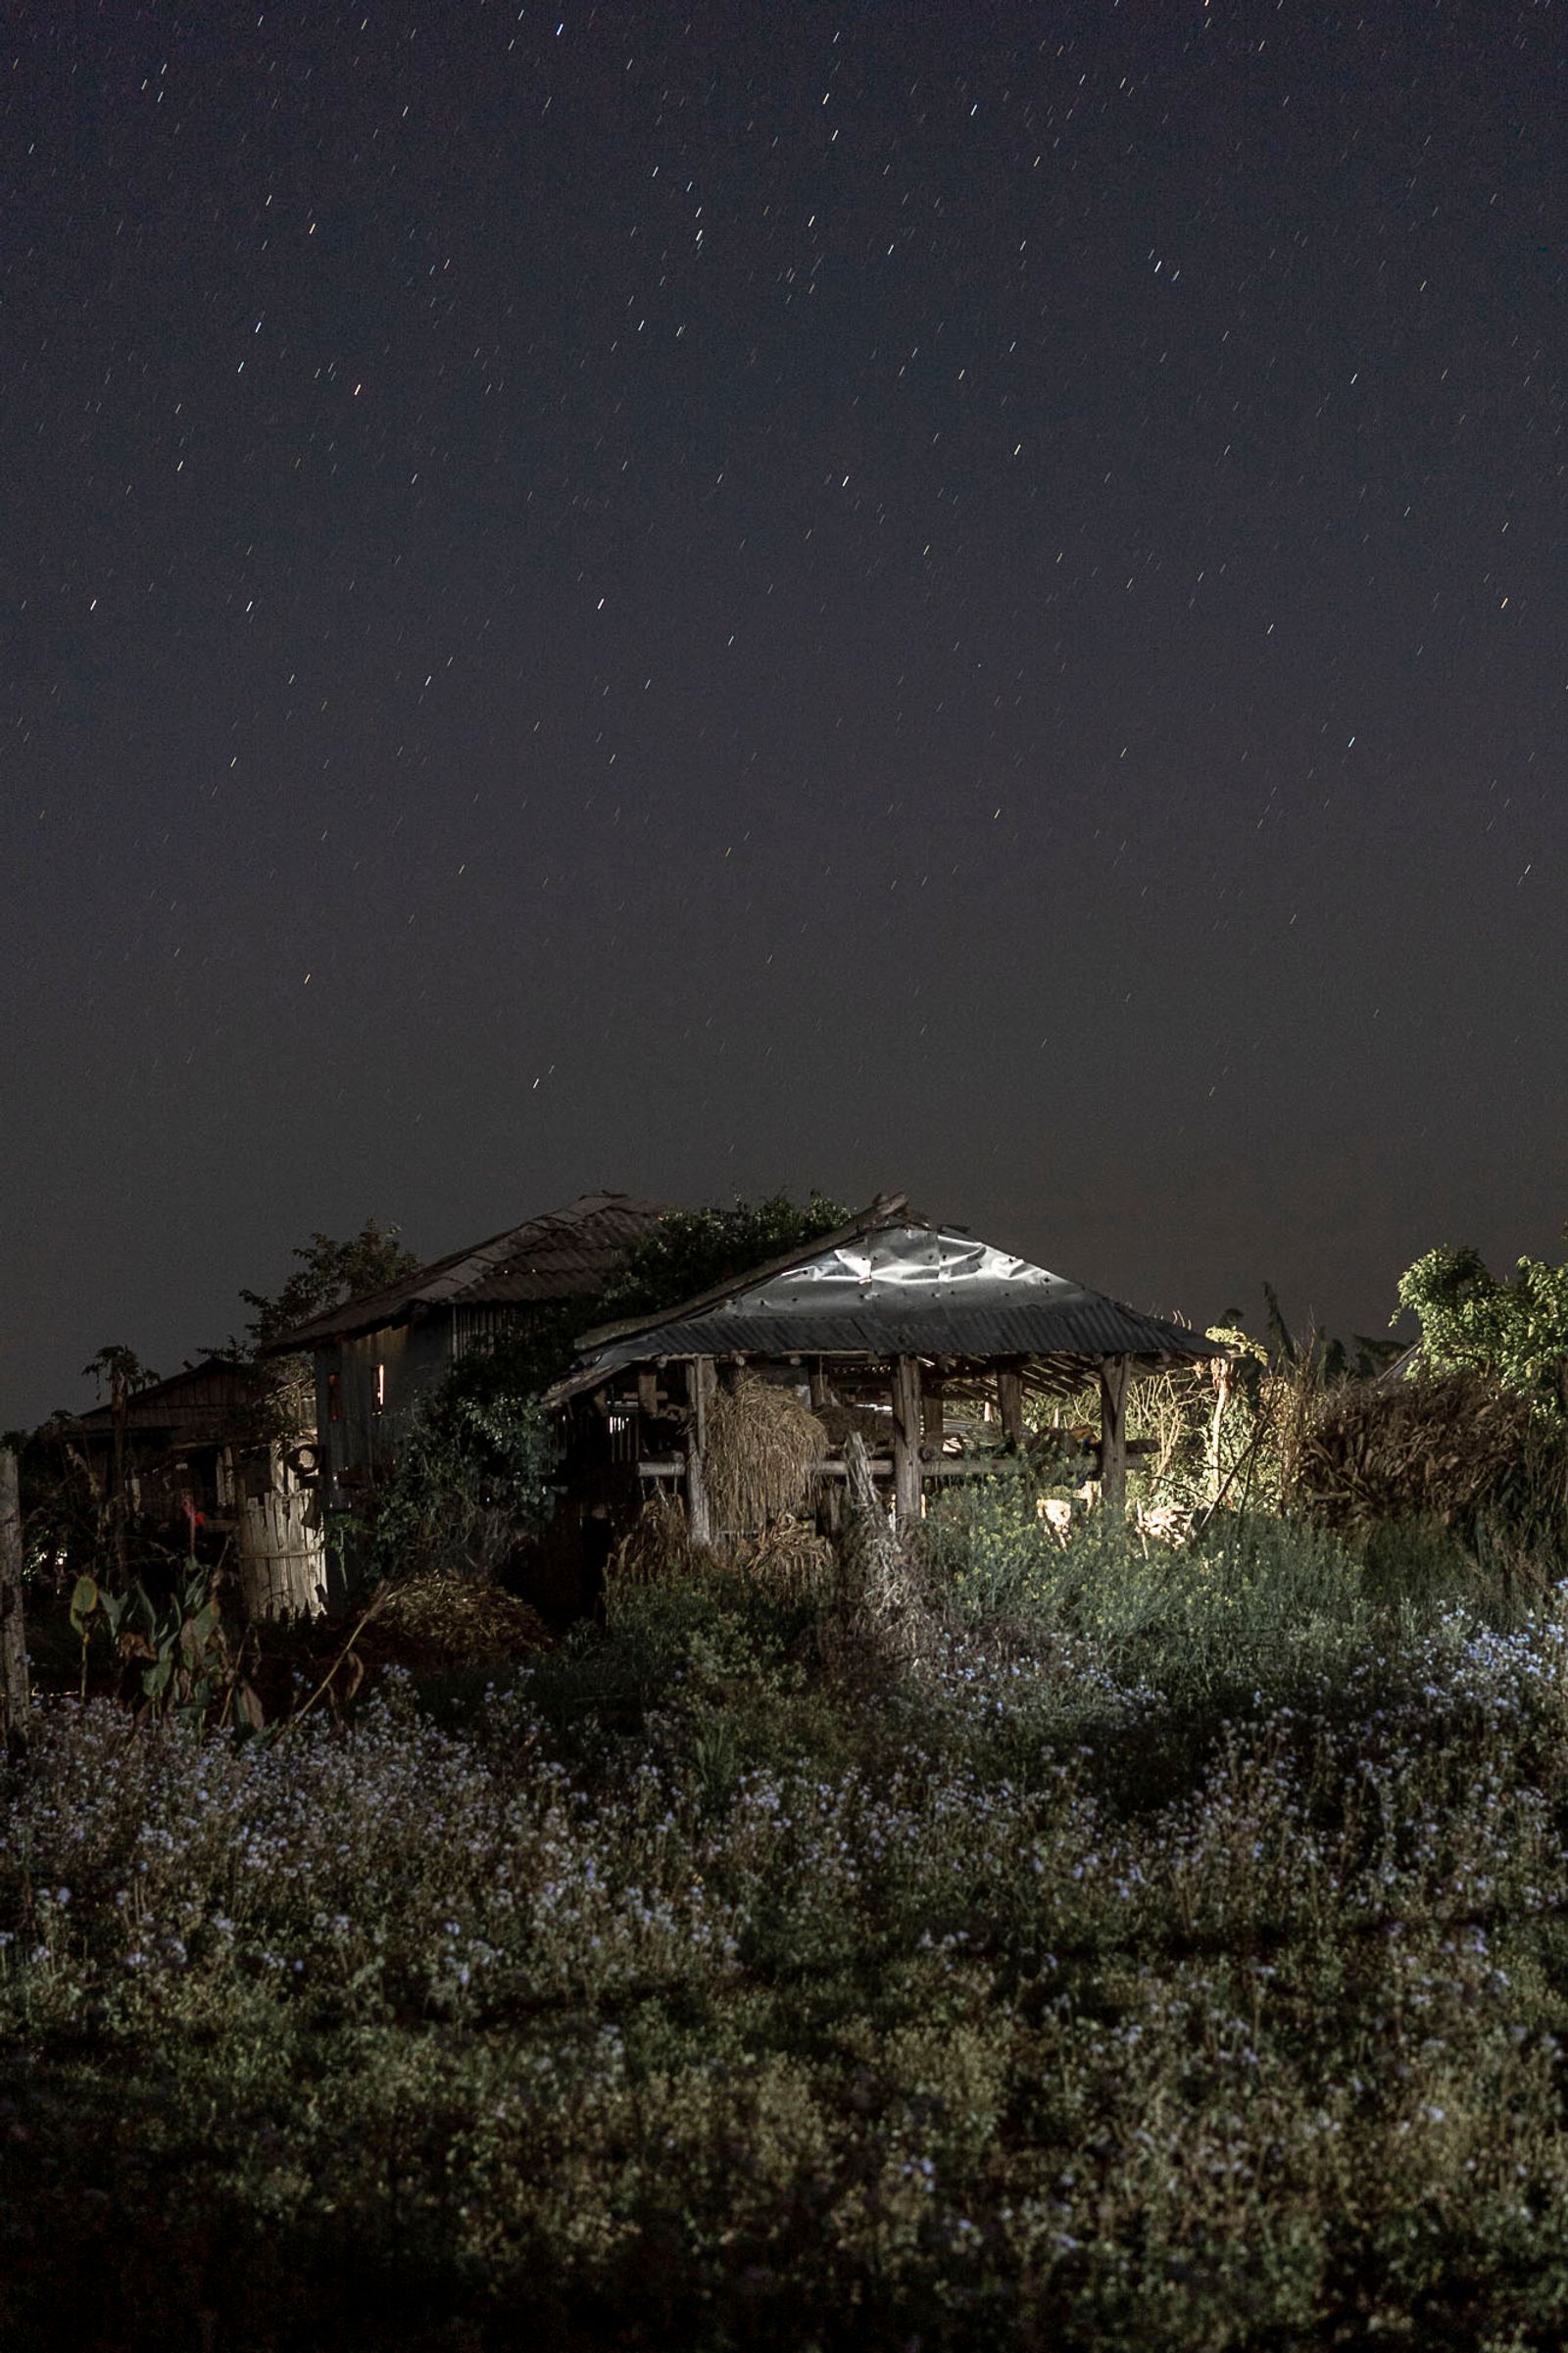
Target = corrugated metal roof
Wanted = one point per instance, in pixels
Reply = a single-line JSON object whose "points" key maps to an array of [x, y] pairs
{"points": [[889, 1287], [569, 1254], [1091, 1327]]}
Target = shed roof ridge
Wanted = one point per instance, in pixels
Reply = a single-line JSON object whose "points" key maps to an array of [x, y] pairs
{"points": [[422, 1285]]}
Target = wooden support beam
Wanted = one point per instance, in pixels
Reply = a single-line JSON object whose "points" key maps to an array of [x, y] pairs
{"points": [[933, 1420], [1114, 1384], [906, 1441], [700, 1387], [13, 1678], [1010, 1402], [647, 1392]]}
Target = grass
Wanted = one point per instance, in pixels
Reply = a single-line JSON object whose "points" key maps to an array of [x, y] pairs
{"points": [[1180, 1959]]}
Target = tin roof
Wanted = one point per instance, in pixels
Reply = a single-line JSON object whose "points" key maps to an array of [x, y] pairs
{"points": [[889, 1285], [569, 1254], [203, 1396]]}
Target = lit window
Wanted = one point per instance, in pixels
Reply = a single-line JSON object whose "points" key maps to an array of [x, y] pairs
{"points": [[380, 1388]]}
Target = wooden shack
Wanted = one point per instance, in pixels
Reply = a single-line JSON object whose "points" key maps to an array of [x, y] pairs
{"points": [[191, 1461], [911, 1330], [378, 1357]]}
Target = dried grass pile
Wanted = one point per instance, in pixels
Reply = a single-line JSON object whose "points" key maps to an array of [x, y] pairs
{"points": [[762, 1450], [657, 1549], [1438, 1449], [789, 1559], [841, 1421], [453, 1618]]}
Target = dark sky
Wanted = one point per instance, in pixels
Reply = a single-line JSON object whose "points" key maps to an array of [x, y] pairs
{"points": [[703, 599]]}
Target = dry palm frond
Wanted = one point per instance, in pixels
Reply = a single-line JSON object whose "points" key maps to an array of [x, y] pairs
{"points": [[762, 1450], [1436, 1450]]}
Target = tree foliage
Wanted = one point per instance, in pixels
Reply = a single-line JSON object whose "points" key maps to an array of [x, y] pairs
{"points": [[692, 1250], [328, 1273], [1515, 1332], [119, 1371]]}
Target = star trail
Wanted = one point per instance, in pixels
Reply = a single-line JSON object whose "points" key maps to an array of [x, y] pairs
{"points": [[704, 599]]}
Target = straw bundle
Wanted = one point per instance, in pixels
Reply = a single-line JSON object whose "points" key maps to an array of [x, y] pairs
{"points": [[762, 1450], [790, 1559]]}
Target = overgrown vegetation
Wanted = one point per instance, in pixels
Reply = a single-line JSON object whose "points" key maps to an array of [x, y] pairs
{"points": [[1167, 1951], [692, 1250], [1175, 1962], [474, 1475]]}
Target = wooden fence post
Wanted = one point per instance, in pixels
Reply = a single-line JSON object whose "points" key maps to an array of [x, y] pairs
{"points": [[12, 1633]]}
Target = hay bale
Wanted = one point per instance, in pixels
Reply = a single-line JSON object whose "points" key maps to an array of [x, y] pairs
{"points": [[839, 1421], [762, 1450]]}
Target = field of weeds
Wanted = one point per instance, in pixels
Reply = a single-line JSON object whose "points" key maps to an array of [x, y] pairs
{"points": [[1175, 1956]]}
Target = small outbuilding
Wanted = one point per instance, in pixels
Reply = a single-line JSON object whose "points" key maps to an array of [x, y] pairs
{"points": [[198, 1452], [378, 1357], [922, 1339]]}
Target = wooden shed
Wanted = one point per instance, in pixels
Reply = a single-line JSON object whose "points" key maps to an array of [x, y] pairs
{"points": [[377, 1357], [916, 1330]]}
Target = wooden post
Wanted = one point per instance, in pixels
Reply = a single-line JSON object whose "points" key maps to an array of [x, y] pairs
{"points": [[1009, 1402], [933, 1415], [699, 1388], [120, 1501], [1114, 1433], [13, 1634], [906, 1442]]}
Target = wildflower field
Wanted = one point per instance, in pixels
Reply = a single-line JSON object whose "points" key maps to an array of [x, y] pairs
{"points": [[1177, 1957]]}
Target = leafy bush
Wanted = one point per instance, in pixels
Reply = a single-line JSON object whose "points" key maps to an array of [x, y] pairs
{"points": [[1515, 1333], [1249, 1595], [474, 1477]]}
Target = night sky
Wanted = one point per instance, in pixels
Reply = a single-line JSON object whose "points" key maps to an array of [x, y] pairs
{"points": [[706, 599]]}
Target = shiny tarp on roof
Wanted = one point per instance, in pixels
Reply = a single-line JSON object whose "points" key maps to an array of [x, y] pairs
{"points": [[897, 1289]]}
